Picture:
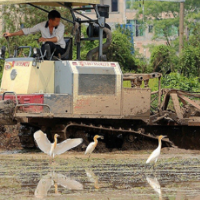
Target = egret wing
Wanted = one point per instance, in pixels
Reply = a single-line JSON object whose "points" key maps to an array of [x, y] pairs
{"points": [[90, 148], [67, 145], [153, 156], [67, 182], [42, 141]]}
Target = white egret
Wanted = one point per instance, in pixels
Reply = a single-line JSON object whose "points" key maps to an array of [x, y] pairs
{"points": [[90, 148], [155, 154], [54, 148]]}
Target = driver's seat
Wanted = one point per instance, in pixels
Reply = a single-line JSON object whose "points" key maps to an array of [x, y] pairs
{"points": [[68, 50]]}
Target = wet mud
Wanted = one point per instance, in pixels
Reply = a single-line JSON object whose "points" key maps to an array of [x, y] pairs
{"points": [[115, 175], [9, 137]]}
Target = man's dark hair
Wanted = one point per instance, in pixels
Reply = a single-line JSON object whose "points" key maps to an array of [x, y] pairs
{"points": [[54, 14]]}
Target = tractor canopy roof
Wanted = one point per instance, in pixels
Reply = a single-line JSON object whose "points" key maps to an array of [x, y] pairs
{"points": [[51, 2]]}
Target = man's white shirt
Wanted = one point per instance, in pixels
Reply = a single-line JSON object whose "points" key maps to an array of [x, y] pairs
{"points": [[43, 27]]}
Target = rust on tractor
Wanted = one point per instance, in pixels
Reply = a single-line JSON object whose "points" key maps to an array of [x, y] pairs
{"points": [[136, 102]]}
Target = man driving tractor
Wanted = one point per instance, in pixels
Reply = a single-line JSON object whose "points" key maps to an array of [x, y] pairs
{"points": [[52, 34]]}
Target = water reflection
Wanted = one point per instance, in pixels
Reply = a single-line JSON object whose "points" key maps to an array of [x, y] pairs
{"points": [[153, 182], [55, 179], [92, 178]]}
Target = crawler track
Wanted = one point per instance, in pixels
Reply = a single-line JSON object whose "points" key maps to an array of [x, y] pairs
{"points": [[139, 132]]}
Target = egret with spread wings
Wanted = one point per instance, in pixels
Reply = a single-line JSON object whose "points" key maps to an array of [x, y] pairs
{"points": [[54, 148]]}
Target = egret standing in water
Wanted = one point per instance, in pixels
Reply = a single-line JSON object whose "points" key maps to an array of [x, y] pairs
{"points": [[155, 154], [54, 148], [90, 148]]}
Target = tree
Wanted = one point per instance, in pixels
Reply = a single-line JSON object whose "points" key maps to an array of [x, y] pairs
{"points": [[163, 59], [190, 56], [120, 50], [164, 16]]}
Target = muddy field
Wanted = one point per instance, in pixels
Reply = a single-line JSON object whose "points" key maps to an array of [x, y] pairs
{"points": [[115, 175]]}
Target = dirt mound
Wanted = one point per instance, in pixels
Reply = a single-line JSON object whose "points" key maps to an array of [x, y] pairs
{"points": [[170, 150], [9, 137]]}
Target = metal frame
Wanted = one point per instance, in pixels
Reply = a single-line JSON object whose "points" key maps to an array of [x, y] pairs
{"points": [[22, 47], [49, 114], [3, 96]]}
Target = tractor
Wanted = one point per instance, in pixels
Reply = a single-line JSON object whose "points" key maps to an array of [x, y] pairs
{"points": [[80, 98]]}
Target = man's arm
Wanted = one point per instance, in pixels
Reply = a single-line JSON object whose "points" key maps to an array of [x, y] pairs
{"points": [[60, 32], [7, 34], [54, 39], [24, 31]]}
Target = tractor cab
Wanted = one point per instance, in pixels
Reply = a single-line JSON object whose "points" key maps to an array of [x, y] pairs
{"points": [[97, 29]]}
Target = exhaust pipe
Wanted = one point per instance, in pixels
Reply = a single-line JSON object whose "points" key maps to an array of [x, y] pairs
{"points": [[105, 45]]}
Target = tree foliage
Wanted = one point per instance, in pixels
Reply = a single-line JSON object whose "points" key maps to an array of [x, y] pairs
{"points": [[163, 59], [185, 68], [181, 82], [120, 51], [190, 61]]}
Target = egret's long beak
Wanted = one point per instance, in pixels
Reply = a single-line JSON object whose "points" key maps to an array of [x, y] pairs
{"points": [[164, 136], [100, 136]]}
